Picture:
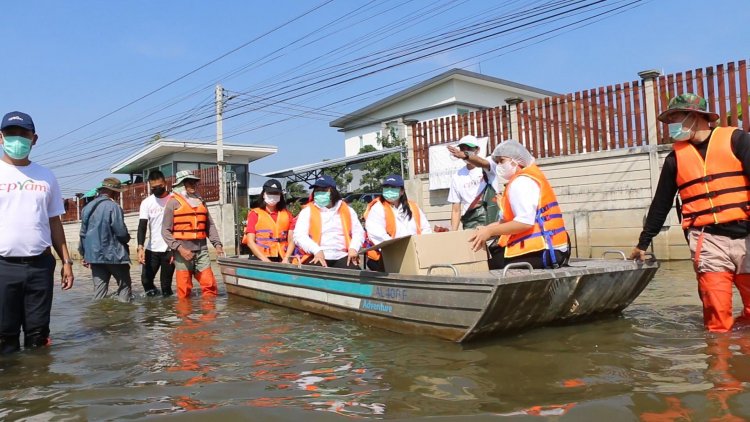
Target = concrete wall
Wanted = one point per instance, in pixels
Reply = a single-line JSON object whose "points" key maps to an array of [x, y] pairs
{"points": [[604, 197], [226, 225]]}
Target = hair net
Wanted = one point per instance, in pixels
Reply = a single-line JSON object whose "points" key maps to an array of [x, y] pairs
{"points": [[515, 151]]}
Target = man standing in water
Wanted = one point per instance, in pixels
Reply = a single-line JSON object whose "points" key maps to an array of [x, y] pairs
{"points": [[104, 241], [155, 254], [30, 205], [715, 192], [186, 226]]}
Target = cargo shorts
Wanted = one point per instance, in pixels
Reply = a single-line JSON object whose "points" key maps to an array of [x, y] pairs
{"points": [[712, 253]]}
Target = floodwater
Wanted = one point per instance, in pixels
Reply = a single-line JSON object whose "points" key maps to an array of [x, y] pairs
{"points": [[233, 359]]}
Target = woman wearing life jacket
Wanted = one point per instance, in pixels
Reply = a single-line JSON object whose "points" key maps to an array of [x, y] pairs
{"points": [[328, 230], [531, 228], [268, 233], [710, 170], [392, 215]]}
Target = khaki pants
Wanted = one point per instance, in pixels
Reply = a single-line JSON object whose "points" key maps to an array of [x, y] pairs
{"points": [[719, 262]]}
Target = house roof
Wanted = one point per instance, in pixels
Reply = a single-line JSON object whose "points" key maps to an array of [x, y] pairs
{"points": [[441, 78], [313, 168], [150, 155]]}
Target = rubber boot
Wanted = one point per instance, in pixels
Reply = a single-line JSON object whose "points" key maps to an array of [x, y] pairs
{"points": [[9, 344], [35, 340], [715, 290], [184, 283], [208, 283], [742, 281]]}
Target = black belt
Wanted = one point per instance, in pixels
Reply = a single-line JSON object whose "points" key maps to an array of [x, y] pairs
{"points": [[25, 259]]}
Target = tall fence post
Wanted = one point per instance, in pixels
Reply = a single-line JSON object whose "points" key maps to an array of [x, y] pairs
{"points": [[411, 159], [515, 125]]}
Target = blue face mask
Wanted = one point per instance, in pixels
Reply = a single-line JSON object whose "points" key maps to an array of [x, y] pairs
{"points": [[391, 194], [678, 132], [322, 199], [16, 147]]}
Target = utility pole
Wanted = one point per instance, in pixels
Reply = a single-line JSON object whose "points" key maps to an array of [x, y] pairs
{"points": [[220, 143]]}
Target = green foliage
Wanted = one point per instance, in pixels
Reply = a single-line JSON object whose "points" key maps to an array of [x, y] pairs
{"points": [[342, 176], [295, 190], [376, 170], [294, 208], [359, 207]]}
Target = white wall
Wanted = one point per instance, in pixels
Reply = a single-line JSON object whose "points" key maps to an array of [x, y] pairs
{"points": [[73, 229], [604, 197]]}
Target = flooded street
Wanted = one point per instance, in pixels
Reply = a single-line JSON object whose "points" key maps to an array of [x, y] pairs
{"points": [[234, 359]]}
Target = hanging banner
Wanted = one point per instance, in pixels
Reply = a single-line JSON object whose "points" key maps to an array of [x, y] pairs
{"points": [[443, 165]]}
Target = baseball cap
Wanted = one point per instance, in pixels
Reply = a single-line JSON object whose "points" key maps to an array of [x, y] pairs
{"points": [[325, 181], [17, 118], [469, 140], [394, 180], [272, 186]]}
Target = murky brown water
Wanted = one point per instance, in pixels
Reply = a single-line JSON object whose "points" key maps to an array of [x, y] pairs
{"points": [[236, 360]]}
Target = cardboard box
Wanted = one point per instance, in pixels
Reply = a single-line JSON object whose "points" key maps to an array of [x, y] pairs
{"points": [[413, 255]]}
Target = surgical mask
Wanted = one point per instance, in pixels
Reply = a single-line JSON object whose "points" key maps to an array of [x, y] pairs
{"points": [[322, 199], [17, 147], [678, 132], [507, 169], [271, 199], [159, 191], [391, 194]]}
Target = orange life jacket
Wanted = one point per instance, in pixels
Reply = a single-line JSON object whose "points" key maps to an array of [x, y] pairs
{"points": [[189, 223], [272, 236], [316, 227], [548, 231], [390, 223], [714, 190]]}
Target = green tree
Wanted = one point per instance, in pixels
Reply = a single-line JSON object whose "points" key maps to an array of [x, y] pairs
{"points": [[295, 190], [342, 176], [376, 170]]}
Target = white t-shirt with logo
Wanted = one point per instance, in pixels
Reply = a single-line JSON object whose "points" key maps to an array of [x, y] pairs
{"points": [[152, 209], [29, 197], [467, 184]]}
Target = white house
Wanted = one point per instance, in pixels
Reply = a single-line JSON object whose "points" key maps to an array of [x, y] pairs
{"points": [[454, 92]]}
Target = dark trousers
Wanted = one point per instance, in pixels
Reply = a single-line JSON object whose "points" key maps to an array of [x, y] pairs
{"points": [[538, 260], [156, 261], [26, 286], [338, 263]]}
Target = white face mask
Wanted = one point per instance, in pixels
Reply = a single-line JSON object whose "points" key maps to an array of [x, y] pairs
{"points": [[507, 169], [271, 199]]}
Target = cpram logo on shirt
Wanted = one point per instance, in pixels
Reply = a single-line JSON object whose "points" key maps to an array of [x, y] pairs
{"points": [[27, 185]]}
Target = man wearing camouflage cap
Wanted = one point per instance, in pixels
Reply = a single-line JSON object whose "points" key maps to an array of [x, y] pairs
{"points": [[710, 169]]}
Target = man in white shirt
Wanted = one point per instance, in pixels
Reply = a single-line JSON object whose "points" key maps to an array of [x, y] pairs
{"points": [[154, 255], [335, 246], [30, 205], [473, 188]]}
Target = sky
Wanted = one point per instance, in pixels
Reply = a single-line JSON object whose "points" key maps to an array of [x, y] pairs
{"points": [[100, 78]]}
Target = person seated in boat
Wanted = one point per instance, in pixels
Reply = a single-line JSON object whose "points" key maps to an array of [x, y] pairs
{"points": [[392, 215], [531, 227], [328, 231], [269, 226]]}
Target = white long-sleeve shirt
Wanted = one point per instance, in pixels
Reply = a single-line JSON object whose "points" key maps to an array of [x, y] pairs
{"points": [[332, 232], [375, 223]]}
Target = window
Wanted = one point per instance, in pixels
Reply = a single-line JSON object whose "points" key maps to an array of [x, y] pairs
{"points": [[361, 141], [187, 166], [462, 111], [166, 169]]}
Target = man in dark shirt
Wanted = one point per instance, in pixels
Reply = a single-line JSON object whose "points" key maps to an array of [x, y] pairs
{"points": [[715, 195]]}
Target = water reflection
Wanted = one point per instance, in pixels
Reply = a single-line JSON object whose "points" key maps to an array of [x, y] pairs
{"points": [[232, 358]]}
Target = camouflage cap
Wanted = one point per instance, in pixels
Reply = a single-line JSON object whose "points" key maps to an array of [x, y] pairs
{"points": [[687, 102]]}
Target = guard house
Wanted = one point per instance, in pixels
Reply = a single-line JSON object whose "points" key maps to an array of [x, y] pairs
{"points": [[170, 156]]}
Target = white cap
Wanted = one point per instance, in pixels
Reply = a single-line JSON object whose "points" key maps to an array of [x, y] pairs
{"points": [[515, 151]]}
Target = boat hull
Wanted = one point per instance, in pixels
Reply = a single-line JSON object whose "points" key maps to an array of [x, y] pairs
{"points": [[460, 309]]}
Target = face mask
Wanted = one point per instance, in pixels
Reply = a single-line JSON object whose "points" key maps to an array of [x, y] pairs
{"points": [[507, 169], [271, 199], [17, 147], [159, 191], [391, 194], [322, 199], [678, 132]]}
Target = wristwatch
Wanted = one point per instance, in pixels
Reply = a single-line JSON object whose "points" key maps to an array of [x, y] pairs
{"points": [[68, 261]]}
